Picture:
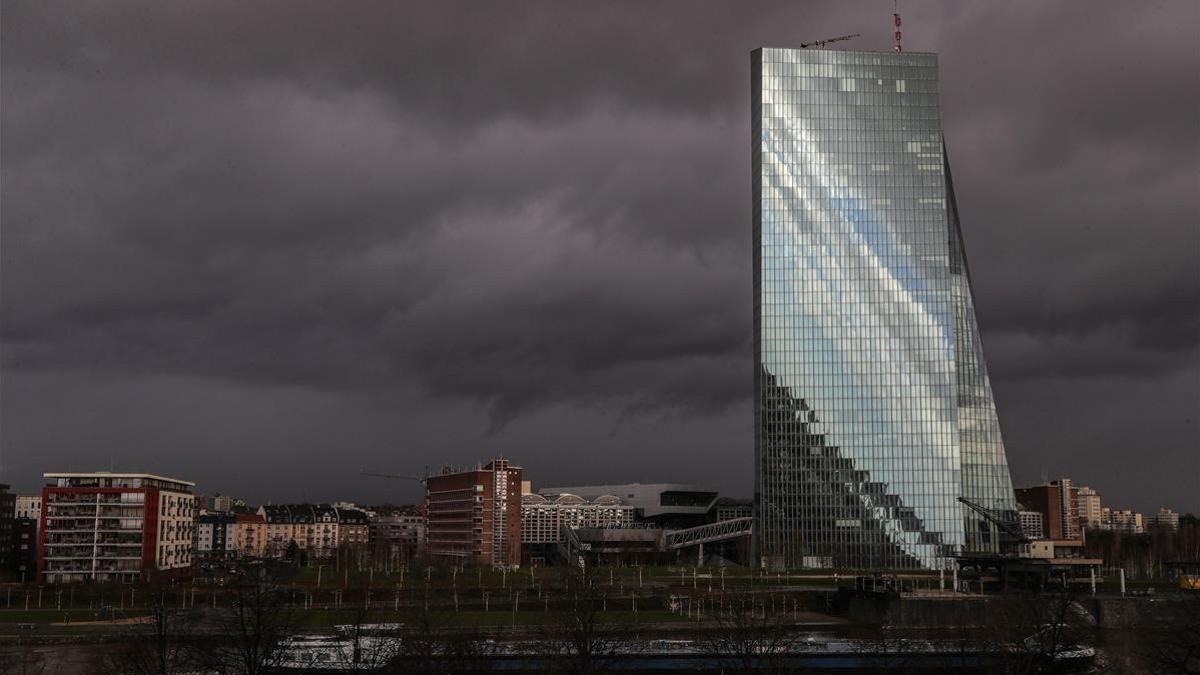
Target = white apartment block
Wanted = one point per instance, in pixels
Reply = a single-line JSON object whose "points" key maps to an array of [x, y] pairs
{"points": [[118, 527]]}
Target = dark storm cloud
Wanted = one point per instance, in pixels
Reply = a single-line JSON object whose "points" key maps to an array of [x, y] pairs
{"points": [[534, 207]]}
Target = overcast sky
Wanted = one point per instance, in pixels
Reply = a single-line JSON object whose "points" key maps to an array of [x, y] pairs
{"points": [[263, 246]]}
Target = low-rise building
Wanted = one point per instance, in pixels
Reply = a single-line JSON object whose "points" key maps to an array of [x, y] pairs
{"points": [[8, 514], [115, 527]]}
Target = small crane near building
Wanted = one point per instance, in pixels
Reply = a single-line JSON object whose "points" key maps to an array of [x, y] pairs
{"points": [[822, 43]]}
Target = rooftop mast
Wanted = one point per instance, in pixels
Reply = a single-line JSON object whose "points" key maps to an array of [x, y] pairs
{"points": [[896, 16]]}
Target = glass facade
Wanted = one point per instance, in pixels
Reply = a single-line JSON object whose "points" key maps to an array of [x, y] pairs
{"points": [[874, 411]]}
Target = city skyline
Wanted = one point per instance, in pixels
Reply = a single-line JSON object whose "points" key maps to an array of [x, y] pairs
{"points": [[299, 243]]}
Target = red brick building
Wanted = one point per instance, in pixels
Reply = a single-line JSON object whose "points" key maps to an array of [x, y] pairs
{"points": [[474, 517]]}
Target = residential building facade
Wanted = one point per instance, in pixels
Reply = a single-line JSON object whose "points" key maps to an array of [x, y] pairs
{"points": [[29, 506], [1033, 524], [1056, 503], [1165, 518], [874, 411], [216, 535], [250, 535], [474, 516], [1127, 521], [1087, 508], [397, 538], [115, 527], [8, 516]]}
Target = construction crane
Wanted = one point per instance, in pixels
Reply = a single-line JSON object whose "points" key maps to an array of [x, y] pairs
{"points": [[391, 475], [1005, 521], [822, 43]]}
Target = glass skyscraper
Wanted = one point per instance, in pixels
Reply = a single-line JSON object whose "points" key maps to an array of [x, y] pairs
{"points": [[874, 412]]}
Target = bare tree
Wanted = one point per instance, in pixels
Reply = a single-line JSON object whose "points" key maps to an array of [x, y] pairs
{"points": [[156, 644], [251, 630], [1037, 631], [746, 634], [583, 635], [1171, 638], [432, 637]]}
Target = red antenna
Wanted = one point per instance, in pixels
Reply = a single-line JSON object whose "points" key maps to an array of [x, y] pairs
{"points": [[896, 15]]}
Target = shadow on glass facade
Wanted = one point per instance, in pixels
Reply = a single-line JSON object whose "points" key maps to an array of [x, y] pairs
{"points": [[874, 409]]}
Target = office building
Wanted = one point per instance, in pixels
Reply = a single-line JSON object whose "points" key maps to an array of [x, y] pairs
{"points": [[669, 505], [115, 527], [474, 516], [1165, 518], [543, 518], [874, 412]]}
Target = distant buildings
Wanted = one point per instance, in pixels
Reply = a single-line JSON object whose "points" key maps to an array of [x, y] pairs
{"points": [[1087, 508], [317, 530], [1056, 502], [1032, 524], [542, 518], [1127, 521], [216, 535], [1165, 518], [8, 514], [397, 538], [250, 535], [115, 527], [677, 505], [474, 516], [29, 506]]}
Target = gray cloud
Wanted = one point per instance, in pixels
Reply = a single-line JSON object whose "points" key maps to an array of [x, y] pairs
{"points": [[531, 222]]}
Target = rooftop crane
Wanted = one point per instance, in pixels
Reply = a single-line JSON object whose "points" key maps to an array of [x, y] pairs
{"points": [[391, 475], [822, 43]]}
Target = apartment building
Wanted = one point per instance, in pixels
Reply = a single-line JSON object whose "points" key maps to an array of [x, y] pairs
{"points": [[1055, 501], [318, 529], [29, 506], [115, 527], [1165, 518], [1087, 508], [474, 516], [250, 535], [396, 537], [215, 535]]}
